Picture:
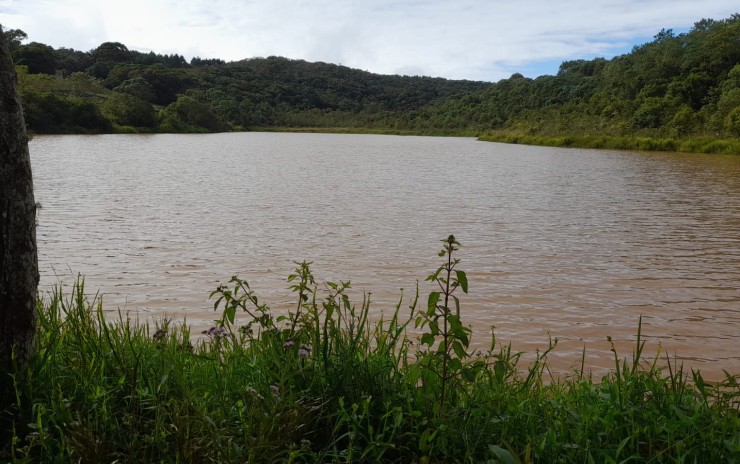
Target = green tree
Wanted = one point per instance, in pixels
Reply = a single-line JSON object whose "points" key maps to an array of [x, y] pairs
{"points": [[190, 115], [107, 56], [71, 61], [127, 110], [650, 114], [50, 114], [693, 88], [38, 57], [732, 122], [112, 52], [138, 87], [167, 83], [684, 121], [14, 38]]}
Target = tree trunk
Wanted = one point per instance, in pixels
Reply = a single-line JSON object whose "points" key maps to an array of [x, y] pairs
{"points": [[19, 274]]}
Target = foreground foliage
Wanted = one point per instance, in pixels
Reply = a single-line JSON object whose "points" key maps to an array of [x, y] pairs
{"points": [[323, 383]]}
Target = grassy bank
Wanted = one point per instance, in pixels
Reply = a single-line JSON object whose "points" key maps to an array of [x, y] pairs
{"points": [[691, 145], [378, 131], [709, 145], [324, 384]]}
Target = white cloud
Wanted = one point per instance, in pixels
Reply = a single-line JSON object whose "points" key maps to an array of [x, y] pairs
{"points": [[472, 39]]}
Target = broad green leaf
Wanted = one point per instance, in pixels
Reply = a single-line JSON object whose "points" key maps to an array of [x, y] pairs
{"points": [[500, 370], [434, 327], [230, 313], [427, 339], [502, 454], [463, 336], [414, 373], [470, 374], [432, 302], [455, 324], [459, 350], [463, 280], [435, 275], [398, 417]]}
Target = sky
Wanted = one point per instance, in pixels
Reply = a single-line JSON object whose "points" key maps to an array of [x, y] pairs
{"points": [[485, 40]]}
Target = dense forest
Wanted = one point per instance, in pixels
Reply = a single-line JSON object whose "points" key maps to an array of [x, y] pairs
{"points": [[677, 87]]}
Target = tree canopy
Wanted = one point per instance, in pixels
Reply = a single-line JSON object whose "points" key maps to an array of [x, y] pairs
{"points": [[678, 85]]}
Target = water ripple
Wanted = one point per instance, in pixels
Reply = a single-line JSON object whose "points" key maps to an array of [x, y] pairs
{"points": [[575, 243]]}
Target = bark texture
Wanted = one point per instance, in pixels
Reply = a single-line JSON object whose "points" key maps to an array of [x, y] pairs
{"points": [[19, 275]]}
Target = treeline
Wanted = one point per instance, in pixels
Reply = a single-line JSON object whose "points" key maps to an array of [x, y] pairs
{"points": [[677, 86], [113, 88]]}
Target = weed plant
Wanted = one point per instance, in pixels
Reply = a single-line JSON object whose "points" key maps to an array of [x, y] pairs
{"points": [[324, 383]]}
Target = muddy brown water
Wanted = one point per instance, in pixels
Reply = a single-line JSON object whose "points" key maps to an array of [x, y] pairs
{"points": [[573, 244]]}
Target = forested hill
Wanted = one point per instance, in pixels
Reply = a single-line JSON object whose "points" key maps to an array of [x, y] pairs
{"points": [[678, 86]]}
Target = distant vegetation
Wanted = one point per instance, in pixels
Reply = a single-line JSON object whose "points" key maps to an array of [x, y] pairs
{"points": [[673, 90]]}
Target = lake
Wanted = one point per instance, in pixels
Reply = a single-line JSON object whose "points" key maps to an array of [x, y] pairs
{"points": [[573, 243]]}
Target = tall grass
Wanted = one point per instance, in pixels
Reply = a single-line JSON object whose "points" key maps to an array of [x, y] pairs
{"points": [[688, 145], [325, 384]]}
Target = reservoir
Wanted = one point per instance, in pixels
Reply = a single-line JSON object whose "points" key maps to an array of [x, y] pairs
{"points": [[564, 243]]}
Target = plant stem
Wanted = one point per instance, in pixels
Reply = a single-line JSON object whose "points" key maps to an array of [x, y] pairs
{"points": [[445, 316]]}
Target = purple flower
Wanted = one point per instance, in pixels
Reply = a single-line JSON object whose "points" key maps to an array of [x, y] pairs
{"points": [[303, 354], [306, 347], [275, 388], [216, 332], [289, 344]]}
